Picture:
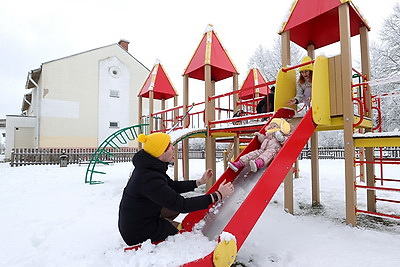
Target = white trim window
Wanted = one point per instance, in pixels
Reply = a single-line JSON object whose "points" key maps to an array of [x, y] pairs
{"points": [[114, 93], [114, 124]]}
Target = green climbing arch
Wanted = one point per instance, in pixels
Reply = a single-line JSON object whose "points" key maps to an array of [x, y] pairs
{"points": [[115, 140]]}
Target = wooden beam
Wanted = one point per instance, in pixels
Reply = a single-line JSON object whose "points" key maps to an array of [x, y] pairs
{"points": [[348, 112]]}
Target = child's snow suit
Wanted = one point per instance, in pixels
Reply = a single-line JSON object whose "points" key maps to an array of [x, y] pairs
{"points": [[269, 148]]}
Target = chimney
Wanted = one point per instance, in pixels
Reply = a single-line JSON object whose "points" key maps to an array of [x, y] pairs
{"points": [[124, 44]]}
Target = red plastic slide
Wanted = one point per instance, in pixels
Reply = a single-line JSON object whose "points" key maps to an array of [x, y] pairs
{"points": [[239, 219]]}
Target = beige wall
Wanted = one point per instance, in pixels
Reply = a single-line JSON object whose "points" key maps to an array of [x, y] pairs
{"points": [[69, 114], [15, 140], [24, 137]]}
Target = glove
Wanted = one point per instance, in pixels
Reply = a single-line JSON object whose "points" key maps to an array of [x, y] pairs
{"points": [[279, 136], [257, 134]]}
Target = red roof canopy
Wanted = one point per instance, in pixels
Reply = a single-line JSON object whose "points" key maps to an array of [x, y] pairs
{"points": [[317, 22], [210, 52], [254, 78], [159, 83]]}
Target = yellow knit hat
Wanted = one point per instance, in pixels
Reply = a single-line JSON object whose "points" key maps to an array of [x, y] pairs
{"points": [[308, 66], [282, 124], [155, 144]]}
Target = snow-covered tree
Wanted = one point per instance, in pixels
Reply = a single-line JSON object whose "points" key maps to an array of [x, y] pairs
{"points": [[330, 138], [385, 64], [269, 61]]}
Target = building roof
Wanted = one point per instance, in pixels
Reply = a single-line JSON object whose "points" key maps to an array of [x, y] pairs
{"points": [[159, 83], [254, 78], [35, 74], [210, 52], [317, 22]]}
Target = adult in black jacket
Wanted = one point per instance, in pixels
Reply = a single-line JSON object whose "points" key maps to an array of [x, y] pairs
{"points": [[150, 192], [267, 103]]}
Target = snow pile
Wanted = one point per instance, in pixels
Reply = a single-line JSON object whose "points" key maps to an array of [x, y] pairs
{"points": [[225, 236], [50, 217]]}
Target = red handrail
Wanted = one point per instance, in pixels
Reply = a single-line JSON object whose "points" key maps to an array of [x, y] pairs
{"points": [[378, 188], [241, 90], [377, 214], [359, 73], [286, 69], [167, 110]]}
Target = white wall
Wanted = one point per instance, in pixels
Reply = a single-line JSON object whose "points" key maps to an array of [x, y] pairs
{"points": [[2, 140], [12, 122], [113, 75]]}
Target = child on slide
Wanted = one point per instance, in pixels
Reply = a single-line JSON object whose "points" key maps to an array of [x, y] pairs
{"points": [[277, 132]]}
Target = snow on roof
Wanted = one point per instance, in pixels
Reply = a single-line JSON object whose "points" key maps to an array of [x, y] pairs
{"points": [[209, 28]]}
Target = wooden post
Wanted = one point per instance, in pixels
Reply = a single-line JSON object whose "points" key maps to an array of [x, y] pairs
{"points": [[256, 90], [185, 142], [176, 160], [315, 191], [162, 126], [348, 113], [315, 170], [236, 139], [140, 114], [369, 151], [151, 110], [209, 116], [288, 182]]}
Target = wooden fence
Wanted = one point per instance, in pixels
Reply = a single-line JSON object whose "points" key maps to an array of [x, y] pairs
{"points": [[201, 154], [43, 156], [324, 153], [46, 156]]}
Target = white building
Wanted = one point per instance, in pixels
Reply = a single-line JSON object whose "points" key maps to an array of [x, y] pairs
{"points": [[2, 136], [79, 100]]}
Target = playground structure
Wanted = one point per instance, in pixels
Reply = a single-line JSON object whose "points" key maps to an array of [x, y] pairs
{"points": [[337, 103]]}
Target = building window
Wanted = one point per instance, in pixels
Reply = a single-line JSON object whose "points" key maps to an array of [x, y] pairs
{"points": [[114, 124], [114, 93], [114, 71]]}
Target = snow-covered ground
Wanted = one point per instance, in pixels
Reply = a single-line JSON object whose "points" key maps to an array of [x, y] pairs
{"points": [[50, 217]]}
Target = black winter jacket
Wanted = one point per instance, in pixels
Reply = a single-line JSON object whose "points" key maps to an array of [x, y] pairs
{"points": [[147, 191]]}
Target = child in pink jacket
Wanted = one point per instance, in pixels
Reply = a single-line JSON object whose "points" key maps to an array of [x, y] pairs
{"points": [[278, 131]]}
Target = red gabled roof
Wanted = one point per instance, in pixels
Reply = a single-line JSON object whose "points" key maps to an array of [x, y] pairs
{"points": [[317, 22], [254, 78], [210, 52], [159, 83]]}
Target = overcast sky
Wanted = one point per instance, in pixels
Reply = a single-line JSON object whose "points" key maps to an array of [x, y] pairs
{"points": [[34, 32]]}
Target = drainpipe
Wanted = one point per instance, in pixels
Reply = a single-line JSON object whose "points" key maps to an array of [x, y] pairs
{"points": [[36, 109]]}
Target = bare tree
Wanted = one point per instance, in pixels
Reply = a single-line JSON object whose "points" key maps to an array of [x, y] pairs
{"points": [[269, 61], [385, 64]]}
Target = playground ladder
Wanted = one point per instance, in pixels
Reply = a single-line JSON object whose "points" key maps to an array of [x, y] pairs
{"points": [[115, 140]]}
